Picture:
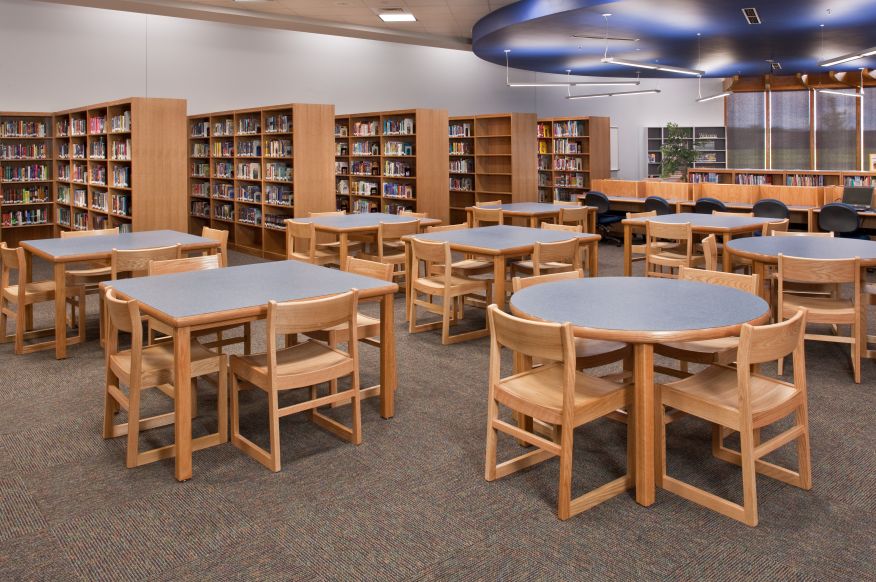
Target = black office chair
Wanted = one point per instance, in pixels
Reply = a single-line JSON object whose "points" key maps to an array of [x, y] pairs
{"points": [[771, 208], [659, 205], [604, 220], [709, 205], [841, 219]]}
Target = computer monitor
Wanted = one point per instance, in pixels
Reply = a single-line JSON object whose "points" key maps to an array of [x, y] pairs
{"points": [[858, 195]]}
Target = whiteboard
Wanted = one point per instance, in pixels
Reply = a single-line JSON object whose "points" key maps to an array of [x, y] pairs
{"points": [[614, 149]]}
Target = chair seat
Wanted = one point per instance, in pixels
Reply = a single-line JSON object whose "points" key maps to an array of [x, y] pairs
{"points": [[713, 394], [588, 348], [713, 351], [321, 257], [37, 292], [539, 393], [366, 325], [90, 273], [469, 267], [810, 288], [821, 309], [545, 268], [435, 283], [336, 245], [390, 257], [317, 361], [157, 364], [640, 248]]}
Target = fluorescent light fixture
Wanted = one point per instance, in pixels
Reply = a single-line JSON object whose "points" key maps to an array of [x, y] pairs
{"points": [[653, 66], [578, 84], [849, 57], [710, 97], [397, 17], [618, 94], [840, 93]]}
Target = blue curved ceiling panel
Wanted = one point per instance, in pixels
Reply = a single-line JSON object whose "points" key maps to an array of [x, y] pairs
{"points": [[551, 36]]}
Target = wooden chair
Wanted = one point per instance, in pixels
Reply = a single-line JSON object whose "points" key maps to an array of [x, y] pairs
{"points": [[710, 252], [220, 236], [588, 353], [715, 351], [568, 203], [413, 214], [92, 274], [870, 292], [390, 247], [745, 402], [489, 203], [301, 245], [793, 286], [303, 365], [554, 393], [680, 254], [552, 257], [187, 265], [833, 310], [770, 228], [23, 296], [637, 251], [439, 281], [367, 327], [141, 368], [490, 216], [577, 215]]}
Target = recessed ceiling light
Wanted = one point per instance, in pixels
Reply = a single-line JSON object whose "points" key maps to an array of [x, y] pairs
{"points": [[397, 16]]}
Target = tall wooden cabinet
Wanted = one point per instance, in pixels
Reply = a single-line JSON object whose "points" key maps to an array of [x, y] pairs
{"points": [[572, 152]]}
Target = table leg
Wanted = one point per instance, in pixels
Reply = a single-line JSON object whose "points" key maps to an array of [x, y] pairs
{"points": [[28, 278], [344, 249], [182, 410], [409, 269], [499, 281], [759, 269], [591, 221], [60, 312], [628, 251], [593, 255], [644, 415], [533, 222], [388, 378], [725, 254]]}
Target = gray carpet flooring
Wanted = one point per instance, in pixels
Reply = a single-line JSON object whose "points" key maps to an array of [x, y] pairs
{"points": [[411, 502]]}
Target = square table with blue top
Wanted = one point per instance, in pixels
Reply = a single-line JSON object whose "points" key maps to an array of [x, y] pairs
{"points": [[63, 251], [192, 301]]}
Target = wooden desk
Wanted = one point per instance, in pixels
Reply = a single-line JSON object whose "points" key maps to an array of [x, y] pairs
{"points": [[534, 212], [629, 204], [722, 225], [343, 225], [765, 250], [642, 311], [499, 243], [62, 251], [798, 212], [188, 302]]}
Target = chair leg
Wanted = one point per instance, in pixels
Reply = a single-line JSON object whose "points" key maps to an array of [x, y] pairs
{"points": [[804, 461], [356, 437], [194, 386], [133, 423], [749, 476], [235, 407], [222, 399], [274, 421], [20, 320], [446, 306], [81, 315], [109, 404], [856, 352], [564, 495], [247, 338], [660, 445], [492, 439], [220, 336], [4, 321]]}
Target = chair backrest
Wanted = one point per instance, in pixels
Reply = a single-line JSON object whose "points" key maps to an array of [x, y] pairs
{"points": [[678, 233], [373, 269], [98, 232], [330, 213], [569, 203], [710, 252], [123, 316], [597, 200], [291, 317], [803, 270], [491, 215], [747, 283], [412, 213], [186, 265], [432, 253], [771, 208], [658, 204], [722, 213], [670, 231], [393, 231], [838, 217], [446, 227], [564, 251], [136, 262], [518, 283], [647, 214], [300, 240], [545, 341], [575, 215], [708, 205], [220, 236], [489, 203], [770, 228], [797, 233], [564, 227], [12, 260]]}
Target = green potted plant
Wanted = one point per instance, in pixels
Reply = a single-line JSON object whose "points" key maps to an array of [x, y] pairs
{"points": [[676, 152]]}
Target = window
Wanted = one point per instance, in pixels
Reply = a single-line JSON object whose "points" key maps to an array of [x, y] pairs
{"points": [[869, 106], [745, 130], [835, 131], [789, 130]]}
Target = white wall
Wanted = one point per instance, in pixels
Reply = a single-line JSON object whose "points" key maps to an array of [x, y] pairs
{"points": [[58, 57]]}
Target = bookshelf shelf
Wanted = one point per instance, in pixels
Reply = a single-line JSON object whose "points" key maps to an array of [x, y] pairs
{"points": [[711, 141], [781, 177], [248, 153], [572, 152]]}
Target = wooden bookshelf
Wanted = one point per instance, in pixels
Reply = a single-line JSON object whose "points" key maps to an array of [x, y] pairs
{"points": [[390, 161], [25, 176], [782, 177], [710, 144], [572, 152], [462, 167], [251, 169]]}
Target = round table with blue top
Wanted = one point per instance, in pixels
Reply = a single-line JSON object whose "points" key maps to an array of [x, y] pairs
{"points": [[642, 311]]}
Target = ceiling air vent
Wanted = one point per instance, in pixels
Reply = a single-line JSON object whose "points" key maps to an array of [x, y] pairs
{"points": [[751, 15]]}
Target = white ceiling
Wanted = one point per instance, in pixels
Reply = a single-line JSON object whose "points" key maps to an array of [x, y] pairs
{"points": [[444, 23]]}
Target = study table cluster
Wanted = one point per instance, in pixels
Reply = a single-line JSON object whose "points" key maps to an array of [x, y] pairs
{"points": [[627, 318]]}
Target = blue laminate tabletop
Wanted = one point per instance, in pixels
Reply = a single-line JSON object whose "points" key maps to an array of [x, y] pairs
{"points": [[363, 220], [196, 293], [86, 246], [709, 221], [768, 248], [640, 309], [502, 238], [527, 207]]}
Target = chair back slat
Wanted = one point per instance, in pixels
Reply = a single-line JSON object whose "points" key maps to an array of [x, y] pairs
{"points": [[678, 232], [648, 214], [529, 338], [373, 269], [415, 214], [12, 260], [393, 231], [290, 317], [564, 251], [447, 227], [518, 283], [562, 227], [575, 215], [489, 203], [81, 233], [802, 270], [729, 213], [436, 252], [568, 203], [770, 228], [136, 262], [766, 343], [300, 239], [747, 283], [796, 233], [186, 265], [330, 213], [490, 215]]}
